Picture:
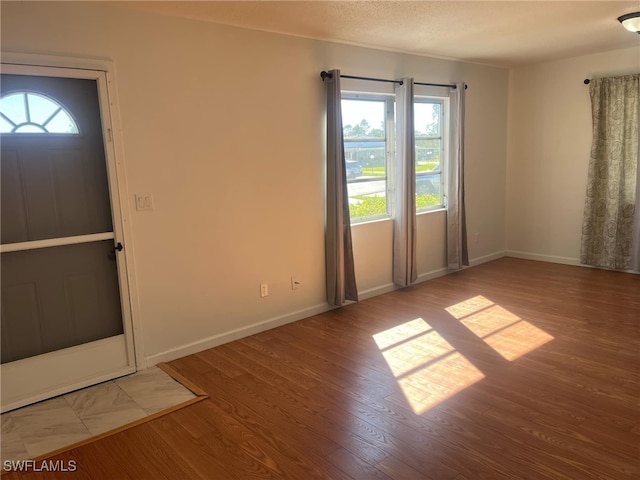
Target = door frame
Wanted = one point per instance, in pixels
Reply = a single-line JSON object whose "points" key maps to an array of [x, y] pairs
{"points": [[103, 72]]}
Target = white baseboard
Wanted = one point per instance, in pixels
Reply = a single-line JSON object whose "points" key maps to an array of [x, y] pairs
{"points": [[236, 334], [274, 322], [545, 258], [375, 291], [562, 260], [390, 287], [423, 277], [487, 258], [440, 272]]}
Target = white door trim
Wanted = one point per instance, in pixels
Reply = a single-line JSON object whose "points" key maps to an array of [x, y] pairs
{"points": [[103, 70]]}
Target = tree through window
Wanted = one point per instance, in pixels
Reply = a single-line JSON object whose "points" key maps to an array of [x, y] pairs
{"points": [[368, 125], [28, 112], [369, 148]]}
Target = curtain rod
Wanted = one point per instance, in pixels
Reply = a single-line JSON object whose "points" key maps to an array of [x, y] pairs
{"points": [[325, 74]]}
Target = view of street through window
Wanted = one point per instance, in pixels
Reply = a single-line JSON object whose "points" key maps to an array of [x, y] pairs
{"points": [[369, 144]]}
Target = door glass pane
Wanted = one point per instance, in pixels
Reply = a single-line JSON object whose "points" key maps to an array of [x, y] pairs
{"points": [[13, 107], [40, 108], [61, 122]]}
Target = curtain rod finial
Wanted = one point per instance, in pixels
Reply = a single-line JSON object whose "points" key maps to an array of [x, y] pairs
{"points": [[587, 81], [325, 75]]}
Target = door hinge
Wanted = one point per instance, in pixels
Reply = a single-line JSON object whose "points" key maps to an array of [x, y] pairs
{"points": [[110, 135]]}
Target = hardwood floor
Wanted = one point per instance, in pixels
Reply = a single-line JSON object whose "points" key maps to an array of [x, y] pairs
{"points": [[512, 369]]}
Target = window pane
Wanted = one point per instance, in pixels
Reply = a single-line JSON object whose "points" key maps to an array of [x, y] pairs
{"points": [[40, 108], [367, 200], [427, 118], [428, 155], [365, 147], [428, 150], [5, 127], [34, 113], [363, 118], [61, 123], [368, 157], [428, 191]]}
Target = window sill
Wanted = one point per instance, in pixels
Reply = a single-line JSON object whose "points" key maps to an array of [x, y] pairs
{"points": [[435, 210], [373, 220], [389, 218]]}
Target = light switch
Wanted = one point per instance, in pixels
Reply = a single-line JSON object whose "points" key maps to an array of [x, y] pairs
{"points": [[144, 201]]}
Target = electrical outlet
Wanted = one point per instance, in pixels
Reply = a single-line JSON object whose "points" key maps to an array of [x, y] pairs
{"points": [[264, 290], [295, 283], [477, 237]]}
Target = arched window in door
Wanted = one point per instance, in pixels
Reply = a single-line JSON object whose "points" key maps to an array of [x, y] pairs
{"points": [[28, 112]]}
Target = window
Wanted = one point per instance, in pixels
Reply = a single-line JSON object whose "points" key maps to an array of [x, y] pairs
{"points": [[369, 148], [368, 124], [27, 112], [429, 151]]}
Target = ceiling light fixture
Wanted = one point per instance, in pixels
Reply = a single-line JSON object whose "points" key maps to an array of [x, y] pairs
{"points": [[631, 21]]}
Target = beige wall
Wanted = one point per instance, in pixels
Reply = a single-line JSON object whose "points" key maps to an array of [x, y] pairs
{"points": [[548, 152], [224, 127]]}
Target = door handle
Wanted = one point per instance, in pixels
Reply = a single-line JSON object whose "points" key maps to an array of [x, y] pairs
{"points": [[112, 253]]}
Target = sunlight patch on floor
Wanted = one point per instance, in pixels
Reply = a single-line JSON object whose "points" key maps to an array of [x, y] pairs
{"points": [[416, 352], [505, 332], [428, 369], [428, 386], [469, 306], [401, 333]]}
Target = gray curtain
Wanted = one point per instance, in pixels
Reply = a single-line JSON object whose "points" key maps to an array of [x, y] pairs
{"points": [[635, 240], [609, 213], [341, 278], [457, 254], [405, 270]]}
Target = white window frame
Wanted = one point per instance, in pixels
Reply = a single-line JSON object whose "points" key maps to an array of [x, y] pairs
{"points": [[389, 140], [357, 90], [444, 149]]}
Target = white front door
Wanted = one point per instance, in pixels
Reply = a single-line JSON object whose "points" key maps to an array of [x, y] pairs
{"points": [[66, 317]]}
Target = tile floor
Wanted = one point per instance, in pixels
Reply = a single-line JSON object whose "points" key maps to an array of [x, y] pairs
{"points": [[56, 423]]}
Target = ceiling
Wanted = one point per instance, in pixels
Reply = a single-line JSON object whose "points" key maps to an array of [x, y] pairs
{"points": [[503, 33]]}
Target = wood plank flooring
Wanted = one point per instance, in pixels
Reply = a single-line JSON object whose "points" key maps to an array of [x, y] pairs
{"points": [[513, 369]]}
